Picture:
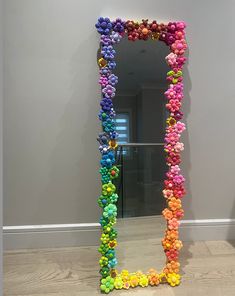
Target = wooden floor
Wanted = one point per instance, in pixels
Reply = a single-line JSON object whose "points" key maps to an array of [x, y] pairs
{"points": [[208, 269]]}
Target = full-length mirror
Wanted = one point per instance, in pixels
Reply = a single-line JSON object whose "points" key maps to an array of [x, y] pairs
{"points": [[140, 152]]}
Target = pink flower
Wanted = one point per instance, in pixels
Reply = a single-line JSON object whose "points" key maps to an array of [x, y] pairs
{"points": [[167, 193], [179, 35], [173, 105], [172, 254], [180, 127], [169, 184], [171, 59], [169, 148], [175, 169], [178, 179], [172, 138], [180, 25], [179, 147], [170, 93], [173, 159], [179, 191], [179, 213], [173, 224], [179, 47]]}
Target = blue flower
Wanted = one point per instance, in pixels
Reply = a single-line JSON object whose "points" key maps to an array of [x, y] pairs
{"points": [[108, 52], [112, 263], [103, 139], [113, 79], [108, 160], [105, 71], [114, 135], [106, 104], [104, 25], [115, 37], [111, 65]]}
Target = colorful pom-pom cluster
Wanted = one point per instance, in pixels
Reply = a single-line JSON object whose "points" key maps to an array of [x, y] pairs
{"points": [[173, 35]]}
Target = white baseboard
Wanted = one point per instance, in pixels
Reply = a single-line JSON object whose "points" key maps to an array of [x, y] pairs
{"points": [[85, 234], [50, 236], [207, 229]]}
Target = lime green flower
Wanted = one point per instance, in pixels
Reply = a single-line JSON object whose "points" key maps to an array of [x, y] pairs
{"points": [[108, 189], [113, 198], [103, 261], [107, 284], [104, 238]]}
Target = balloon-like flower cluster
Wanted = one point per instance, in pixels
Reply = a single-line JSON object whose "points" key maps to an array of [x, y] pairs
{"points": [[173, 35]]}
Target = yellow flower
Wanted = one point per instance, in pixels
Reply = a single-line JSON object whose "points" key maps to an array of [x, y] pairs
{"points": [[102, 62], [126, 285], [173, 279], [118, 283], [143, 282], [171, 121], [125, 275], [113, 144], [112, 244], [134, 280]]}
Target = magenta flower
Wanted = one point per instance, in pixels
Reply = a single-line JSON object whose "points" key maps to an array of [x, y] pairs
{"points": [[179, 47], [103, 81], [173, 105], [175, 169], [178, 179], [172, 138]]}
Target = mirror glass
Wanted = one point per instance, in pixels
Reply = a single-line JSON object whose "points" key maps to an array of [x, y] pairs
{"points": [[141, 115]]}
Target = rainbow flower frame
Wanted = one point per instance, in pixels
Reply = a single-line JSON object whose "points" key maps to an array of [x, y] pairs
{"points": [[173, 35]]}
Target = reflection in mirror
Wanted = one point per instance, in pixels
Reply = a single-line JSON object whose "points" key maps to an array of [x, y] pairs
{"points": [[141, 115]]}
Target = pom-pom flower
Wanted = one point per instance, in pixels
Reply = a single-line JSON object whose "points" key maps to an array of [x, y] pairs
{"points": [[107, 284], [108, 189], [110, 211], [108, 52], [118, 25], [173, 279], [107, 160], [104, 25]]}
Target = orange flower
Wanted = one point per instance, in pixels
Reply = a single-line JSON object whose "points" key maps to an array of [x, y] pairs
{"points": [[174, 204], [172, 267], [177, 244], [167, 244], [172, 234], [153, 277], [167, 214]]}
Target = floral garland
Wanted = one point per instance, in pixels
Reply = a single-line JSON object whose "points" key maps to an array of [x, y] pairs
{"points": [[173, 35]]}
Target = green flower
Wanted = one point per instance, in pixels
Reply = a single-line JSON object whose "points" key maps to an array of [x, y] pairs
{"points": [[105, 175], [103, 249], [107, 284], [110, 211], [108, 189], [103, 261], [103, 201], [114, 172], [113, 234], [105, 271], [113, 198]]}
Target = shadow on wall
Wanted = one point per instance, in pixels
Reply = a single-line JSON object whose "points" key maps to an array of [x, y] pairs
{"points": [[231, 230], [186, 163], [74, 160]]}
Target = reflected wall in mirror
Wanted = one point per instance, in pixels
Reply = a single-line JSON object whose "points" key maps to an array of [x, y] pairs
{"points": [[141, 121]]}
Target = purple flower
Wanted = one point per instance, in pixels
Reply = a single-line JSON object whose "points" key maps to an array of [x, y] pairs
{"points": [[113, 79], [106, 104], [105, 71], [115, 37], [105, 40], [170, 38], [177, 115], [109, 91], [118, 25], [104, 25], [108, 52], [103, 81]]}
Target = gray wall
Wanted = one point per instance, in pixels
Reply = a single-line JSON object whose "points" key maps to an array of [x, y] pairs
{"points": [[52, 97]]}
